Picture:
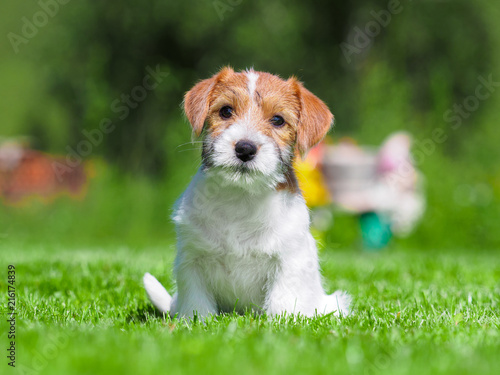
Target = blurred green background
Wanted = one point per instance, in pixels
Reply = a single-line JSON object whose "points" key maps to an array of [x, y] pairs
{"points": [[69, 74]]}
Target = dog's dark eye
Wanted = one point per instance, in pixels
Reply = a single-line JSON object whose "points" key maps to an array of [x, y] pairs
{"points": [[226, 112], [278, 121]]}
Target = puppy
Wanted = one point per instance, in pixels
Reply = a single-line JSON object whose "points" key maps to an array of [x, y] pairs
{"points": [[243, 226]]}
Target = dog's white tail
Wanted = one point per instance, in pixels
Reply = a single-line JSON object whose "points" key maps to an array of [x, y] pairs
{"points": [[157, 293]]}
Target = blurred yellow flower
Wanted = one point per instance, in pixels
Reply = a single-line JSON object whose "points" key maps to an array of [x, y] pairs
{"points": [[311, 183]]}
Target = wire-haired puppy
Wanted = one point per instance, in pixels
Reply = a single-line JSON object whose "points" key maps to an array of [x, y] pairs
{"points": [[243, 226]]}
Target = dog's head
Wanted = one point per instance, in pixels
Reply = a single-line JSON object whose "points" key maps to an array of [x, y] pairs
{"points": [[253, 124]]}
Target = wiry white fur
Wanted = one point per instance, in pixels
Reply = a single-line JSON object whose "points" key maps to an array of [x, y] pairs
{"points": [[240, 251], [252, 81]]}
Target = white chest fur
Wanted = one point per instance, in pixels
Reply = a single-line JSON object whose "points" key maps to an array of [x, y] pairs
{"points": [[239, 250], [239, 239]]}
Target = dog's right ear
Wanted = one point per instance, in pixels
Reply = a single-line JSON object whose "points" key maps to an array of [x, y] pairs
{"points": [[197, 100], [315, 119]]}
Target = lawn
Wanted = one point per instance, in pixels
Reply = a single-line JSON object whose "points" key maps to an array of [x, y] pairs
{"points": [[83, 311]]}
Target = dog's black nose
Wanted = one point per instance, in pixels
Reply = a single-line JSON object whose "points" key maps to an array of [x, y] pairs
{"points": [[245, 150]]}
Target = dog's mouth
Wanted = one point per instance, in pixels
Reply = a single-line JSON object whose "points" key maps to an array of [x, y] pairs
{"points": [[262, 170], [243, 168], [230, 168], [237, 170]]}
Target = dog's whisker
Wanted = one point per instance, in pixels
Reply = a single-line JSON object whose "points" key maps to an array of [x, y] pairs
{"points": [[188, 149], [189, 144]]}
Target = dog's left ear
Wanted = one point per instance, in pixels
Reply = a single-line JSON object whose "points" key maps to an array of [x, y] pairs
{"points": [[315, 119]]}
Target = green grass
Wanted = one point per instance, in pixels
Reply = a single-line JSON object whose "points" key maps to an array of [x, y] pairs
{"points": [[83, 311]]}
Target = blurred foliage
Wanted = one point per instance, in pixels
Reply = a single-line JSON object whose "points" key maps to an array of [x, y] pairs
{"points": [[428, 57]]}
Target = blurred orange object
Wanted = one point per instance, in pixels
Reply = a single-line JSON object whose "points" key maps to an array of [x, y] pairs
{"points": [[25, 172]]}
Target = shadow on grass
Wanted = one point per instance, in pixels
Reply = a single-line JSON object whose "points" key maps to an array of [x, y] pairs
{"points": [[144, 314]]}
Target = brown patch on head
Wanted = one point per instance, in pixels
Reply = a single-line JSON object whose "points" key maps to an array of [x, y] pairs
{"points": [[255, 98], [271, 96], [230, 91], [197, 100], [307, 117], [278, 97]]}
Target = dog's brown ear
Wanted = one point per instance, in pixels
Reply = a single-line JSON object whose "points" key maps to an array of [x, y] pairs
{"points": [[315, 119], [197, 100]]}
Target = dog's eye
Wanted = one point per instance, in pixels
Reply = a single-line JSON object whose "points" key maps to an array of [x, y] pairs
{"points": [[226, 112], [278, 121]]}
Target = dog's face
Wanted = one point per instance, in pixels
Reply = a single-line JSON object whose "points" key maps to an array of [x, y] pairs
{"points": [[253, 124]]}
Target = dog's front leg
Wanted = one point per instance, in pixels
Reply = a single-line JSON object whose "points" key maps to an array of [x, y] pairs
{"points": [[193, 296], [287, 295], [295, 288], [280, 299]]}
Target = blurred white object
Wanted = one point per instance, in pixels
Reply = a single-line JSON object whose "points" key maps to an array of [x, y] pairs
{"points": [[384, 180], [11, 154]]}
